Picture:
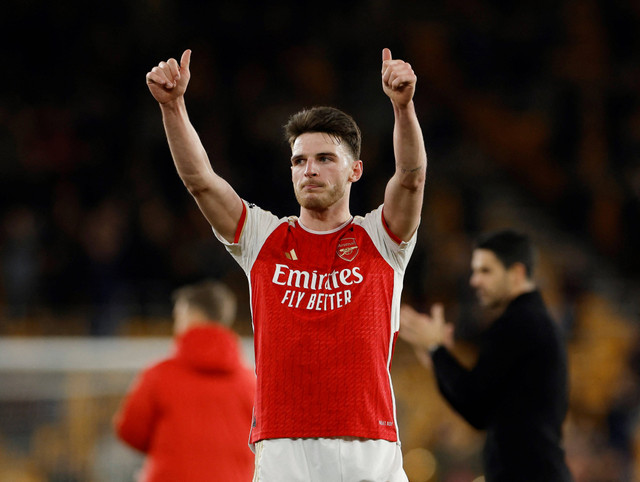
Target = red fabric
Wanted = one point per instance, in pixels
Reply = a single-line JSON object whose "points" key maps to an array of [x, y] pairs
{"points": [[191, 413], [322, 336]]}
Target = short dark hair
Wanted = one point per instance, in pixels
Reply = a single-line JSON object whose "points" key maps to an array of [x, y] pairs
{"points": [[214, 298], [328, 120], [510, 247]]}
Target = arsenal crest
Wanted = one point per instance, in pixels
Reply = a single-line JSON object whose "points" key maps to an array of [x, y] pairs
{"points": [[347, 249]]}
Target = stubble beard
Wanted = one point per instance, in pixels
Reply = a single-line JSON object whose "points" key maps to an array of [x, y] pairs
{"points": [[321, 201], [492, 303]]}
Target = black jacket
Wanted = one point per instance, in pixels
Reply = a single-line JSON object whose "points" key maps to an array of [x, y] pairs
{"points": [[517, 392]]}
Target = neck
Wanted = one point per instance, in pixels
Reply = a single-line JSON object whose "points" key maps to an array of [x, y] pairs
{"points": [[525, 287], [520, 289], [324, 220]]}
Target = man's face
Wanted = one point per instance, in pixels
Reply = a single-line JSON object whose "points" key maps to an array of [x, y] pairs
{"points": [[490, 279], [321, 170]]}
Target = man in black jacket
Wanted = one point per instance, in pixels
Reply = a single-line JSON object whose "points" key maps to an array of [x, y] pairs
{"points": [[517, 390]]}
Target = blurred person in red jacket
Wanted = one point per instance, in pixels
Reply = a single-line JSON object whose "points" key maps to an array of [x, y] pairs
{"points": [[191, 413]]}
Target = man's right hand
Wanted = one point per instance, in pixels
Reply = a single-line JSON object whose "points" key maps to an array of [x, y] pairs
{"points": [[425, 331], [168, 80]]}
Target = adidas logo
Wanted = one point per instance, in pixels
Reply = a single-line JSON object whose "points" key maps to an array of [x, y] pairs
{"points": [[291, 255]]}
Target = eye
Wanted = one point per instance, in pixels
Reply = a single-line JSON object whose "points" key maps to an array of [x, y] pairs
{"points": [[297, 161]]}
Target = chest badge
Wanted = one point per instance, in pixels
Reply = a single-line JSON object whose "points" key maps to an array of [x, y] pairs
{"points": [[347, 249]]}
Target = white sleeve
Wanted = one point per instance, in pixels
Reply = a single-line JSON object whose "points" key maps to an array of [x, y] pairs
{"points": [[254, 228], [395, 251]]}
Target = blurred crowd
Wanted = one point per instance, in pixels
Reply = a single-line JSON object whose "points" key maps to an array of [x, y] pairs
{"points": [[542, 95], [531, 113]]}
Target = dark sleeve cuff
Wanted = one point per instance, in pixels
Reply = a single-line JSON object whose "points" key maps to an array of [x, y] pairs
{"points": [[432, 350]]}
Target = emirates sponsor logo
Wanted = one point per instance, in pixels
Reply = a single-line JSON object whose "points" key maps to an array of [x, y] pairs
{"points": [[285, 276], [316, 291], [347, 249]]}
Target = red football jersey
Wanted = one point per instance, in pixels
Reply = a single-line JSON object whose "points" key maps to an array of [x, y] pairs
{"points": [[325, 309]]}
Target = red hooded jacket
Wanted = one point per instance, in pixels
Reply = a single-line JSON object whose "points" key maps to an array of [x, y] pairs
{"points": [[191, 413]]}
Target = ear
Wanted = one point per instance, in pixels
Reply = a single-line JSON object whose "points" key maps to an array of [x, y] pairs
{"points": [[356, 171], [518, 274]]}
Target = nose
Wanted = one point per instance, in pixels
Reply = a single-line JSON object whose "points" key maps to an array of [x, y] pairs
{"points": [[310, 169], [473, 281]]}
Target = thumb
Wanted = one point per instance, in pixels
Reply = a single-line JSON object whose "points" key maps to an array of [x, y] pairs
{"points": [[386, 54], [185, 60]]}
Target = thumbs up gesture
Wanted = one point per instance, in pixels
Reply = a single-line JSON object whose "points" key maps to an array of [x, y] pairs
{"points": [[398, 79], [168, 80]]}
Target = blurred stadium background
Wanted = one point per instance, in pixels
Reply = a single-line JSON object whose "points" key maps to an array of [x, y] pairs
{"points": [[531, 113]]}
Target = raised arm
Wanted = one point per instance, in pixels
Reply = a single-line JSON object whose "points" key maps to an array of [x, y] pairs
{"points": [[217, 200], [405, 190]]}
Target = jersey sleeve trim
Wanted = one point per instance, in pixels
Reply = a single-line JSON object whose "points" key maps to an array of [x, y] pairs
{"points": [[241, 223], [395, 238]]}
